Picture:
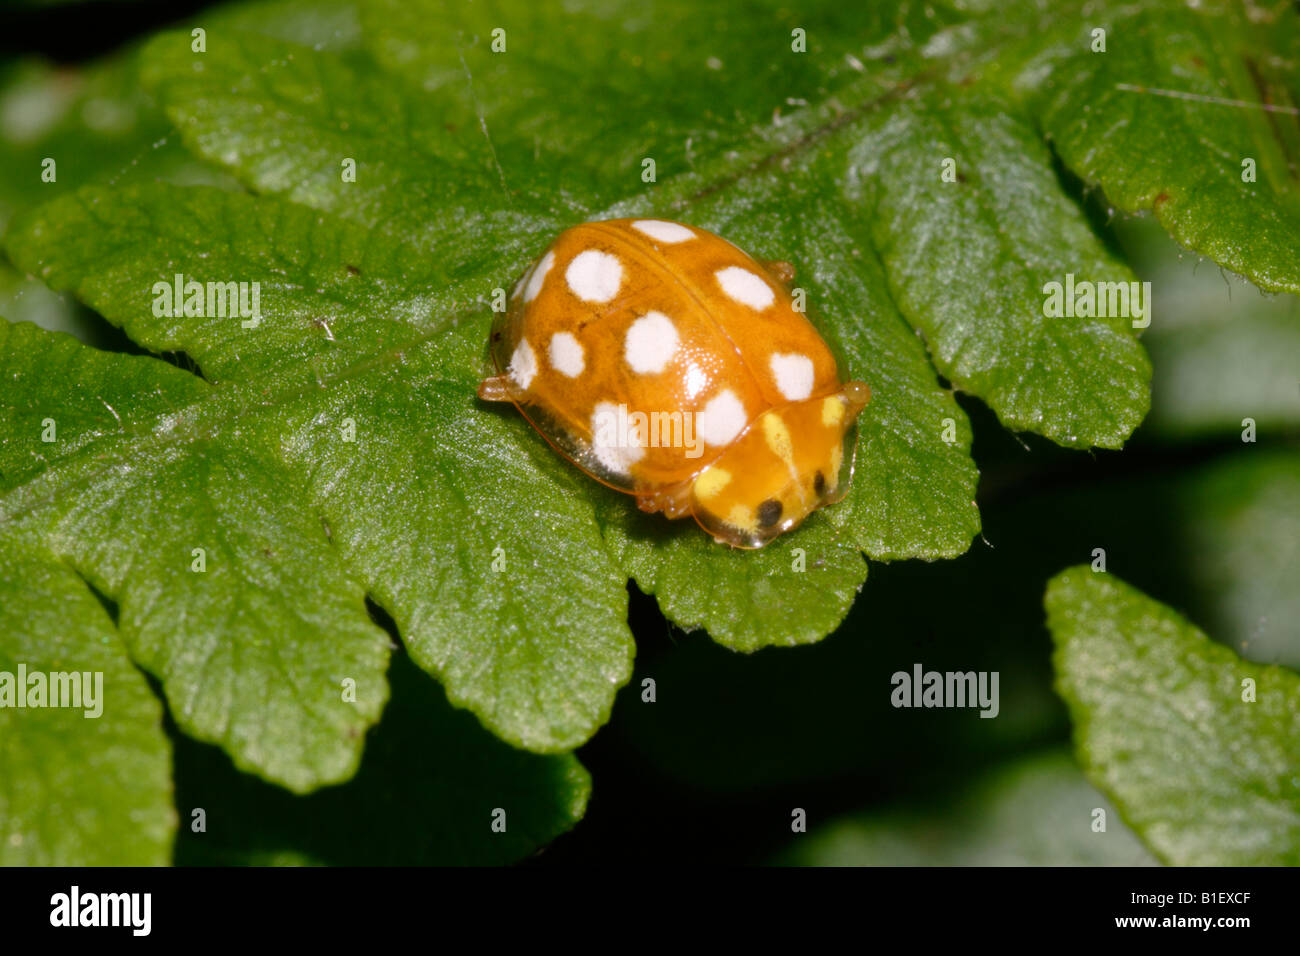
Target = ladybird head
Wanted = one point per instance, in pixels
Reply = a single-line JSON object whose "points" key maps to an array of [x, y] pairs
{"points": [[789, 462]]}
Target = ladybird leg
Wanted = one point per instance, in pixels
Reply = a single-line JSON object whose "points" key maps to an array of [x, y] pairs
{"points": [[674, 501], [781, 269], [495, 388]]}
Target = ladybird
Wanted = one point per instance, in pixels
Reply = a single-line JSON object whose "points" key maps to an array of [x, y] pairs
{"points": [[665, 362]]}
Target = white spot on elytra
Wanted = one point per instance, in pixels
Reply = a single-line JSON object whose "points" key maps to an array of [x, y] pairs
{"points": [[566, 354], [523, 364], [696, 379], [617, 444], [538, 277], [658, 229], [722, 419], [650, 342], [594, 276], [745, 287], [793, 373]]}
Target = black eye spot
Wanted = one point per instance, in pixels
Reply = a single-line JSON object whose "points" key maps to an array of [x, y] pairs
{"points": [[769, 513], [819, 483]]}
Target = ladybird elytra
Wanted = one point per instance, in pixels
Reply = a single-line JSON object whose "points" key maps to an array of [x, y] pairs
{"points": [[667, 363]]}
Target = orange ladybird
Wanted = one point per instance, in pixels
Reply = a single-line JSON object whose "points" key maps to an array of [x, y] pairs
{"points": [[666, 363]]}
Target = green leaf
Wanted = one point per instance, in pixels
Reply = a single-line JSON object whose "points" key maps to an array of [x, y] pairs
{"points": [[228, 591], [95, 124], [320, 24], [84, 785], [100, 126], [425, 794], [969, 262], [1163, 726], [1222, 350], [786, 594], [283, 118], [1039, 811], [408, 505], [1166, 117]]}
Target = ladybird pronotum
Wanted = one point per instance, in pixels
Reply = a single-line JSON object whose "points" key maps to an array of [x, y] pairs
{"points": [[667, 363]]}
